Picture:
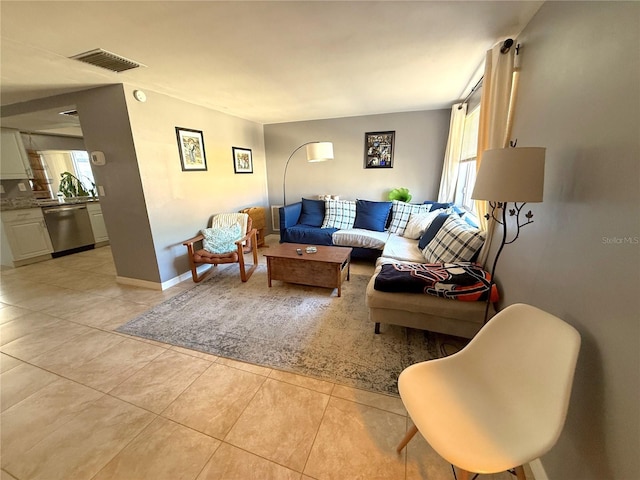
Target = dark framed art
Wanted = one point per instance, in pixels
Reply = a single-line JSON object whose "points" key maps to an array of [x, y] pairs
{"points": [[378, 149], [242, 161], [191, 146]]}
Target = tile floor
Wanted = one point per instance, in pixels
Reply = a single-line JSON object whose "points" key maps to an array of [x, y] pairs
{"points": [[81, 402]]}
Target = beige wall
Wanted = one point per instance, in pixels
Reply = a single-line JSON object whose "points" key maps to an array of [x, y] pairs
{"points": [[579, 97], [179, 203], [419, 151]]}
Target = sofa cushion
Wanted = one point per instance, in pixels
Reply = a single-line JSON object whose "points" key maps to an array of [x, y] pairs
{"points": [[403, 249], [456, 241], [401, 211], [308, 235], [357, 237], [221, 239], [339, 214], [372, 215], [312, 212], [419, 222], [432, 229]]}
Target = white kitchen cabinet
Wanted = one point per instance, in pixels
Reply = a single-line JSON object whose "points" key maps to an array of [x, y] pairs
{"points": [[97, 222], [26, 233], [14, 164]]}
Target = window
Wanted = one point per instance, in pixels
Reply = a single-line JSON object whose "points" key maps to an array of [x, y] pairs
{"points": [[467, 170], [82, 168]]}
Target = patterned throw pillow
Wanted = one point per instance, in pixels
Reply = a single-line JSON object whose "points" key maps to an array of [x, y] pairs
{"points": [[221, 239], [419, 222], [456, 241], [339, 214], [401, 212]]}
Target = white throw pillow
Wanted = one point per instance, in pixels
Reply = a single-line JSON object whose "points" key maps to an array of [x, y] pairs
{"points": [[419, 222], [456, 241], [339, 214], [400, 212]]}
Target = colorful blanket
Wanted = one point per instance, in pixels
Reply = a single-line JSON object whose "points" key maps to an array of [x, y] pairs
{"points": [[460, 281]]}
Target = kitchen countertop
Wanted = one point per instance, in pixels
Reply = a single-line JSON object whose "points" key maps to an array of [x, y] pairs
{"points": [[26, 203]]}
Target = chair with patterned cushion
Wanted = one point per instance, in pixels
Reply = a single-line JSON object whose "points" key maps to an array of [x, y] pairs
{"points": [[224, 242]]}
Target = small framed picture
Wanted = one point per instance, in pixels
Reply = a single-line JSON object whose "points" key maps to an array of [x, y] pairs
{"points": [[242, 161], [378, 149], [191, 146]]}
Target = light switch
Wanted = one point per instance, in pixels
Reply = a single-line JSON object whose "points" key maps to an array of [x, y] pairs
{"points": [[22, 187], [101, 191]]}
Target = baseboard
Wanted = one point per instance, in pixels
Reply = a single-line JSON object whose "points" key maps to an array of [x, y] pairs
{"points": [[538, 470], [135, 282], [154, 285]]}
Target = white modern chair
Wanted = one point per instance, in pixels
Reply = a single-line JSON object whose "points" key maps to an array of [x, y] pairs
{"points": [[502, 400]]}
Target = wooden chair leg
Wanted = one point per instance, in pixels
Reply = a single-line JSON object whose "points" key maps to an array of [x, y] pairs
{"points": [[408, 436], [194, 266], [463, 474], [520, 475], [244, 273]]}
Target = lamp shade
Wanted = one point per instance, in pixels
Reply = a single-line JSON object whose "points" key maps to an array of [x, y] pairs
{"points": [[319, 151], [511, 175]]}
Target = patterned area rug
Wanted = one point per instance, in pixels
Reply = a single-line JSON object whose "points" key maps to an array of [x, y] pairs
{"points": [[305, 330]]}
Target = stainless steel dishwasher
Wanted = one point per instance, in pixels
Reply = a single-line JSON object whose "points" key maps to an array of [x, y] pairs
{"points": [[69, 227]]}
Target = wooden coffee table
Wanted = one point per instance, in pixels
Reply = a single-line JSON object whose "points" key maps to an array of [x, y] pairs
{"points": [[328, 267]]}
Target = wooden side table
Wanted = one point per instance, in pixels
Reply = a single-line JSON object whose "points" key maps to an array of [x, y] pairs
{"points": [[258, 217]]}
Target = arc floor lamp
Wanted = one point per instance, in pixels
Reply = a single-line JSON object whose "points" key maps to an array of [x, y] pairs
{"points": [[509, 176], [316, 152]]}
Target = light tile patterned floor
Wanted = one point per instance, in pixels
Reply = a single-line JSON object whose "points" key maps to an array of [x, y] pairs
{"points": [[82, 402]]}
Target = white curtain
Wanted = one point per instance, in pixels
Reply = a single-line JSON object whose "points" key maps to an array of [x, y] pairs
{"points": [[452, 154], [496, 117]]}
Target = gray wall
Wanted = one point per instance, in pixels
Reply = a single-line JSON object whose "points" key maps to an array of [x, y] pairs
{"points": [[419, 152], [580, 97], [150, 205], [105, 125]]}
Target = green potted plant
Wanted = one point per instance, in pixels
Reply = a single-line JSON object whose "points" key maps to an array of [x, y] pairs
{"points": [[401, 194], [72, 186]]}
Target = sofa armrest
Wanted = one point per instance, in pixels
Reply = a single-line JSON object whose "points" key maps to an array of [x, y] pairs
{"points": [[289, 215]]}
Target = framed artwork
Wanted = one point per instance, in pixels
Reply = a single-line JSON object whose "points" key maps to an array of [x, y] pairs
{"points": [[378, 149], [242, 161], [191, 146]]}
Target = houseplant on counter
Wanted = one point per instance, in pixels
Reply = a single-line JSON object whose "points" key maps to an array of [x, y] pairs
{"points": [[72, 186]]}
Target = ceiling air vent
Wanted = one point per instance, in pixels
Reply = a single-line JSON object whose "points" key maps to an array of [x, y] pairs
{"points": [[70, 113], [103, 59]]}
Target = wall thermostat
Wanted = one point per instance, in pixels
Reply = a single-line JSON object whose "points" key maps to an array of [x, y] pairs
{"points": [[97, 158], [140, 96]]}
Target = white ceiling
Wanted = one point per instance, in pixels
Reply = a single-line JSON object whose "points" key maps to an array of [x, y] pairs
{"points": [[265, 61]]}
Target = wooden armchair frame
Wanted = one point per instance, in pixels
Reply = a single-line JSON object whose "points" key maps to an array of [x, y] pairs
{"points": [[245, 273]]}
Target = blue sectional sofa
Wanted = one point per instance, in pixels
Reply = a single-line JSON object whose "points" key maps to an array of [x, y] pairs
{"points": [[387, 230]]}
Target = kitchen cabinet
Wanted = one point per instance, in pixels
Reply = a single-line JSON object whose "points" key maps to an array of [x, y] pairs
{"points": [[97, 222], [26, 233], [15, 162]]}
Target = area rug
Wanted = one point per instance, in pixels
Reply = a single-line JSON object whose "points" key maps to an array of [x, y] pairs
{"points": [[305, 330]]}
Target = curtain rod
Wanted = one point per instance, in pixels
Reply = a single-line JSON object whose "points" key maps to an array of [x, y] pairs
{"points": [[506, 46]]}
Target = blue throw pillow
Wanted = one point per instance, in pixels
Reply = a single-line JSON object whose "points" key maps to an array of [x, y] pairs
{"points": [[437, 205], [372, 215], [312, 213], [430, 232]]}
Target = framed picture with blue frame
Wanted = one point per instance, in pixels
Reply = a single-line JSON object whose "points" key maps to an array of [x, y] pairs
{"points": [[378, 149]]}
